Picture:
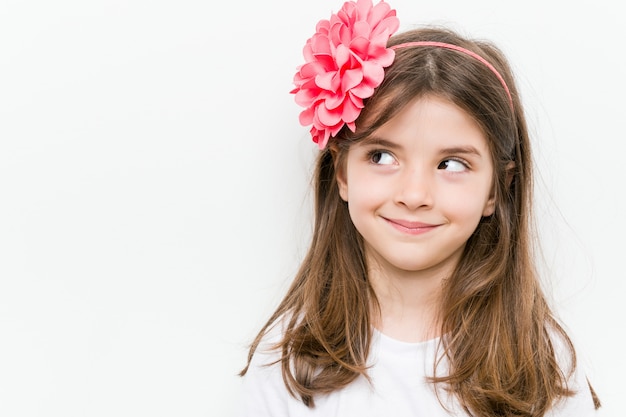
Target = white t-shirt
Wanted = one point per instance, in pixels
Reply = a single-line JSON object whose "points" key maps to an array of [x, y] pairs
{"points": [[398, 387]]}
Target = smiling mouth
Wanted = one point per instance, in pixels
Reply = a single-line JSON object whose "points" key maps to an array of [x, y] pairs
{"points": [[409, 227]]}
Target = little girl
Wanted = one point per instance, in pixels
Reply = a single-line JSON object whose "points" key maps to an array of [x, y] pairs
{"points": [[419, 294]]}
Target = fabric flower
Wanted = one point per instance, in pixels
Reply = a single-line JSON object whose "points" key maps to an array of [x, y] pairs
{"points": [[344, 63]]}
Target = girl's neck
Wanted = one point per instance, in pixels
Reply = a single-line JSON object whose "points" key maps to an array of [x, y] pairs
{"points": [[408, 304]]}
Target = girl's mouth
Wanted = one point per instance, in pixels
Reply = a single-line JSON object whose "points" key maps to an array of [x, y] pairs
{"points": [[411, 227]]}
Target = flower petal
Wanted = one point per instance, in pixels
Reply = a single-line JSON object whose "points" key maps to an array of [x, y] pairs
{"points": [[329, 81], [334, 101], [360, 46], [329, 117], [306, 97], [350, 111], [342, 56], [306, 116], [351, 79]]}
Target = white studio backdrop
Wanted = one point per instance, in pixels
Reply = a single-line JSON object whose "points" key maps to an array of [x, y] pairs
{"points": [[154, 188]]}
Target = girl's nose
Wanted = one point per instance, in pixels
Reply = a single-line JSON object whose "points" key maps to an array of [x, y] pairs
{"points": [[415, 189]]}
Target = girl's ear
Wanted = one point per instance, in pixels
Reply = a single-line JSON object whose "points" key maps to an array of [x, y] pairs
{"points": [[490, 206], [340, 171]]}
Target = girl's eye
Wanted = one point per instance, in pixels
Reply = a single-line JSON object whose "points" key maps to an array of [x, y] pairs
{"points": [[381, 158], [452, 165]]}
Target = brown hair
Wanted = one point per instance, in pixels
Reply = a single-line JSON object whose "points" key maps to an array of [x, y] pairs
{"points": [[494, 291]]}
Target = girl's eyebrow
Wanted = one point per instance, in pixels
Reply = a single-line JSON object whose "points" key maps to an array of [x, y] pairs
{"points": [[467, 150], [378, 141]]}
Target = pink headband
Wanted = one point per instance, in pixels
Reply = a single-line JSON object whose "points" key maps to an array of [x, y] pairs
{"points": [[345, 61], [465, 51]]}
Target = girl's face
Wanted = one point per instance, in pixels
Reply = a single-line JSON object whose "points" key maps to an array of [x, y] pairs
{"points": [[417, 188]]}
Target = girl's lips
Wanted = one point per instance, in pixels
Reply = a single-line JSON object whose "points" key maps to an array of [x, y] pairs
{"points": [[410, 227]]}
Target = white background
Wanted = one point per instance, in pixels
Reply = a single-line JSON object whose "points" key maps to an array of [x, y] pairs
{"points": [[154, 177]]}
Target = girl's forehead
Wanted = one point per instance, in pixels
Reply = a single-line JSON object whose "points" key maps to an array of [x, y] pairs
{"points": [[433, 116]]}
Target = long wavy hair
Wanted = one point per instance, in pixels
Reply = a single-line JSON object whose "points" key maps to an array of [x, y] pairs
{"points": [[512, 369]]}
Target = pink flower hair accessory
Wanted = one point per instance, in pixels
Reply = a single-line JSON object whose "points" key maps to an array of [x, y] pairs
{"points": [[344, 63]]}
